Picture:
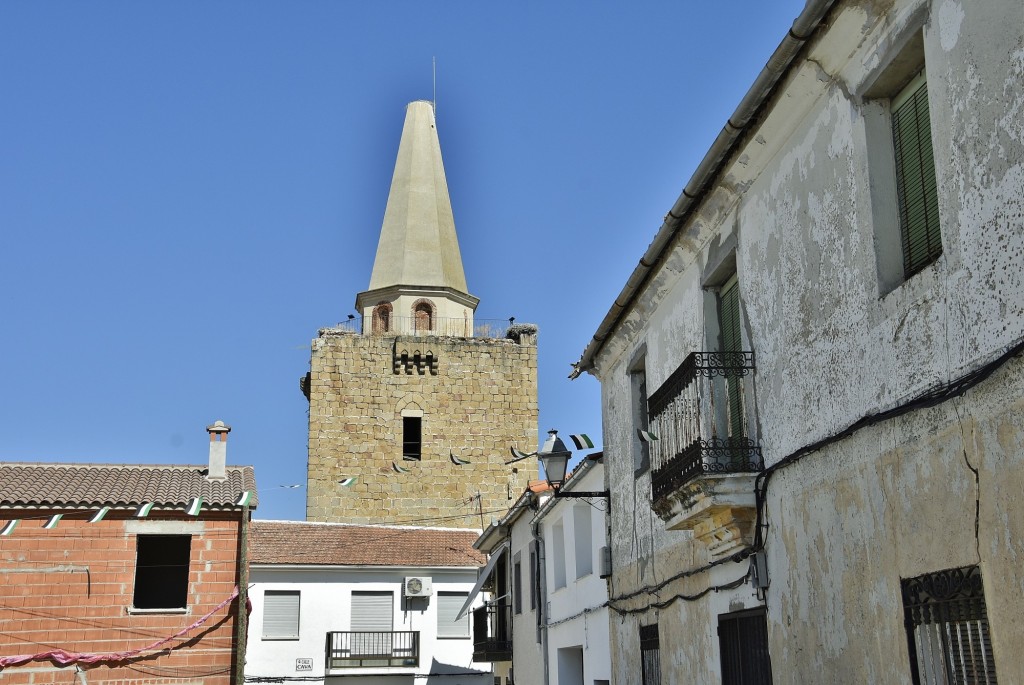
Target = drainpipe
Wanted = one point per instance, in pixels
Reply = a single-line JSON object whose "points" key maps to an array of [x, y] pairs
{"points": [[542, 597]]}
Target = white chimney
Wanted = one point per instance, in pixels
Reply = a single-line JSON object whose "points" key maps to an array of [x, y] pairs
{"points": [[218, 450]]}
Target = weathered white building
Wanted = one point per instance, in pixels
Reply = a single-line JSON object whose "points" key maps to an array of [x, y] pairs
{"points": [[361, 604], [508, 628], [573, 535], [824, 338]]}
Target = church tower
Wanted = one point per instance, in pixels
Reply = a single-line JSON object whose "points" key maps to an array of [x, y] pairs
{"points": [[413, 406]]}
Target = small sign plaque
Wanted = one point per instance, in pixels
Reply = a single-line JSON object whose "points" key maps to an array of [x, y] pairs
{"points": [[303, 664]]}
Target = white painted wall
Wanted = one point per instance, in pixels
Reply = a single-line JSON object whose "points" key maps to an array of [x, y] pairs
{"points": [[577, 619], [325, 603]]}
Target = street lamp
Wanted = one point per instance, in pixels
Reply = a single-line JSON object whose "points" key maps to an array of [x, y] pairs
{"points": [[554, 457]]}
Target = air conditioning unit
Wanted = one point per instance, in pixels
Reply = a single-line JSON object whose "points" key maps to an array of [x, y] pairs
{"points": [[417, 586]]}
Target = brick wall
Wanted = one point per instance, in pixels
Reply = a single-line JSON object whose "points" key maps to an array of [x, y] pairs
{"points": [[478, 397], [70, 588]]}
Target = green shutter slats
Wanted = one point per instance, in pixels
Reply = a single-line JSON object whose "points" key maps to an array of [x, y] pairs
{"points": [[915, 182]]}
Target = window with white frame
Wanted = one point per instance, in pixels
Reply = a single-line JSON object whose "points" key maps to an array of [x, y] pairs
{"points": [[448, 606], [281, 615]]}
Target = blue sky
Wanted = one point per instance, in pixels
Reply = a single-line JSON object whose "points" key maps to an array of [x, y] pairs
{"points": [[188, 191]]}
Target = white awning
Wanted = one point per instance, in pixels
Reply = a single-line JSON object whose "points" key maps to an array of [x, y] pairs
{"points": [[484, 575]]}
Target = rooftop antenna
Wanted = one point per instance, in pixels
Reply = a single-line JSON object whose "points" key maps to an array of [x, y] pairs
{"points": [[434, 66]]}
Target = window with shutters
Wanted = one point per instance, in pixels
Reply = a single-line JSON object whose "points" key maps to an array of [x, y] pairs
{"points": [[280, 615], [731, 341], [638, 401], [901, 165], [161, 571], [916, 193], [372, 611], [650, 655], [743, 639], [533, 576], [517, 583], [947, 628], [448, 606]]}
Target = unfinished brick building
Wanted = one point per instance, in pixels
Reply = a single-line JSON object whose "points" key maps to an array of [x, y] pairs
{"points": [[123, 574]]}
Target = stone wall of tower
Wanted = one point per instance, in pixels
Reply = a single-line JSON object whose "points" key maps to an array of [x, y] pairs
{"points": [[478, 397]]}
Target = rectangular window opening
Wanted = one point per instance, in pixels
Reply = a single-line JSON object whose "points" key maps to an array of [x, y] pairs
{"points": [[412, 445], [281, 615], [558, 554], [448, 606], [650, 655], [743, 640], [161, 571], [947, 628], [583, 533], [638, 392], [916, 191], [517, 584]]}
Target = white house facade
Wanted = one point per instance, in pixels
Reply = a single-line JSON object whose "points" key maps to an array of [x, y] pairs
{"points": [[361, 604], [574, 537], [812, 388]]}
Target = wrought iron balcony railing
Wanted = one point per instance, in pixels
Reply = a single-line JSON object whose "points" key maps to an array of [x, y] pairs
{"points": [[359, 649], [700, 417], [492, 632]]}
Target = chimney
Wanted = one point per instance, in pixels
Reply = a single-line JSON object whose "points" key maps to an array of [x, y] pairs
{"points": [[218, 450]]}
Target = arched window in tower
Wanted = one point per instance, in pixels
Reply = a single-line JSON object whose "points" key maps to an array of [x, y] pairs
{"points": [[423, 316], [382, 318]]}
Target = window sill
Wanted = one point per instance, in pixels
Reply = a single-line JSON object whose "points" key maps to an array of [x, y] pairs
{"points": [[453, 637], [171, 610], [291, 638]]}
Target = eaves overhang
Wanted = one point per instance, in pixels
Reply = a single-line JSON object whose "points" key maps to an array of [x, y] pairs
{"points": [[711, 167]]}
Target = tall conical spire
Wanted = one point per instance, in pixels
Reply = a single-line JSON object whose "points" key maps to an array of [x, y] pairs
{"points": [[418, 262]]}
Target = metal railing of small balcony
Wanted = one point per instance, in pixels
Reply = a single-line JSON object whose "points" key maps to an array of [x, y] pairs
{"points": [[492, 632], [359, 649], [699, 416], [439, 326]]}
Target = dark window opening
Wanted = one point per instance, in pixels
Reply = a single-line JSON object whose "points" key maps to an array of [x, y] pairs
{"points": [[638, 390], [412, 437], [517, 582], [743, 638], [947, 628], [650, 655], [161, 571]]}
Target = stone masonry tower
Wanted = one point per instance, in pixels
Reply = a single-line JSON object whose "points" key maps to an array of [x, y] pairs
{"points": [[399, 399]]}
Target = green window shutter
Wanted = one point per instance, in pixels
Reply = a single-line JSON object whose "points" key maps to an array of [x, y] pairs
{"points": [[732, 341], [915, 178]]}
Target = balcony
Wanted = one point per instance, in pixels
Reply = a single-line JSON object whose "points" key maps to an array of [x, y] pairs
{"points": [[419, 326], [492, 633], [348, 649], [704, 458]]}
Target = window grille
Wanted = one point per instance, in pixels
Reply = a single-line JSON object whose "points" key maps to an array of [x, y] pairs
{"points": [[743, 639], [650, 655], [947, 628]]}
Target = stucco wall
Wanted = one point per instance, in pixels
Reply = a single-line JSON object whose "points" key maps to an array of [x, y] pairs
{"points": [[834, 343], [577, 616], [479, 400]]}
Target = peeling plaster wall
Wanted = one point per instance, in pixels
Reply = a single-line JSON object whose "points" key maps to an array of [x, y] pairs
{"points": [[834, 344]]}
